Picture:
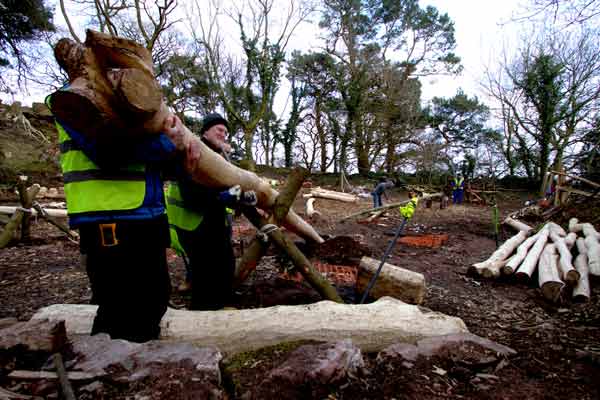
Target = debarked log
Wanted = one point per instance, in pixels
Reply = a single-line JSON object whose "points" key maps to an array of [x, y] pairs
{"points": [[372, 326], [394, 281], [548, 277], [581, 291], [490, 268], [517, 225], [513, 263], [531, 260], [568, 273]]}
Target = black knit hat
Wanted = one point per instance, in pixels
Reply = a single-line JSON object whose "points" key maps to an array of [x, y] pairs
{"points": [[211, 120]]}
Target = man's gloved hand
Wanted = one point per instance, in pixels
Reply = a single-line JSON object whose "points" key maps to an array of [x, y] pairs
{"points": [[231, 196], [249, 198], [234, 196]]}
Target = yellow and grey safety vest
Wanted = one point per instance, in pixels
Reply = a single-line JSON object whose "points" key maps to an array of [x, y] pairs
{"points": [[408, 210], [90, 189]]}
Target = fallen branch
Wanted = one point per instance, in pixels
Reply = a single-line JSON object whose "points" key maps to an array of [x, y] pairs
{"points": [[388, 206]]}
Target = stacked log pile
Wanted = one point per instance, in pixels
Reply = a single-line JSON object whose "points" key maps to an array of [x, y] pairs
{"points": [[551, 251]]}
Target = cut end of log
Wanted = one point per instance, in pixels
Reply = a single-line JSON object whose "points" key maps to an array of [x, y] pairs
{"points": [[80, 113], [117, 52], [551, 291], [581, 298], [139, 92], [69, 54], [572, 277]]}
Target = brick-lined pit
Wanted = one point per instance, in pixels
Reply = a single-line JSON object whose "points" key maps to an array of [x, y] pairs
{"points": [[432, 241], [340, 275]]}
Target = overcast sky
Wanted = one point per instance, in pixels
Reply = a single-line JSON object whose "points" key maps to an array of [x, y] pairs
{"points": [[479, 36]]}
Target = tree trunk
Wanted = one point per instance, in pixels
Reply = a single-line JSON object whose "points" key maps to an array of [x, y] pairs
{"points": [[394, 281], [517, 225]]}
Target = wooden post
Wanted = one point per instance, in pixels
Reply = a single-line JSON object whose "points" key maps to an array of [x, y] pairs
{"points": [[17, 218]]}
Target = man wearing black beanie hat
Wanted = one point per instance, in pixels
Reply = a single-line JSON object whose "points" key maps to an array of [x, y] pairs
{"points": [[201, 225]]}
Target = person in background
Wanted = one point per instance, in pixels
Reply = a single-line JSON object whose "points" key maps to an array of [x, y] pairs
{"points": [[201, 220], [114, 195], [458, 188], [380, 190], [408, 210]]}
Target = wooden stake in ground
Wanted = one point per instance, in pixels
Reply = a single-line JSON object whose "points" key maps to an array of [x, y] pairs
{"points": [[16, 219], [310, 208], [531, 260], [490, 268], [283, 202], [581, 291], [548, 277]]}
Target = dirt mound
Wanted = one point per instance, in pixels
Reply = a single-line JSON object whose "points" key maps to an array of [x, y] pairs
{"points": [[343, 250]]}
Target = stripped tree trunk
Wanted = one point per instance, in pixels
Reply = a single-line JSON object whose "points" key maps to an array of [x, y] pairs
{"points": [[517, 225], [490, 268], [581, 291], [565, 263], [310, 208], [548, 277], [531, 260], [10, 228], [513, 263], [394, 281]]}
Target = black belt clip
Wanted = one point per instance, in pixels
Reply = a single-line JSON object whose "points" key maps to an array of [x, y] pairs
{"points": [[108, 235]]}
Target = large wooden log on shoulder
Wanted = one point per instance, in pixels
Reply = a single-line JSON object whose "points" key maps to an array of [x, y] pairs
{"points": [[113, 96], [394, 281], [491, 267], [372, 326], [581, 291], [548, 277]]}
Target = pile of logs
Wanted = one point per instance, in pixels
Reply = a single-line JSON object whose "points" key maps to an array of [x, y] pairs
{"points": [[550, 251]]}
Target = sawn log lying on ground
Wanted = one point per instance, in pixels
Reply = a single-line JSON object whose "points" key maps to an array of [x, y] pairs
{"points": [[372, 326]]}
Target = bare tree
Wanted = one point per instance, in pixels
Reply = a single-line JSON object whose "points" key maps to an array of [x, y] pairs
{"points": [[264, 52]]}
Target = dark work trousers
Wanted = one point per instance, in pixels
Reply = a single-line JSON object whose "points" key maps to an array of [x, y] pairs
{"points": [[128, 276], [211, 260], [457, 196]]}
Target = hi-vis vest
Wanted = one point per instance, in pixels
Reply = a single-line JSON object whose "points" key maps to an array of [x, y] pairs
{"points": [[179, 216], [458, 183], [408, 210], [90, 189]]}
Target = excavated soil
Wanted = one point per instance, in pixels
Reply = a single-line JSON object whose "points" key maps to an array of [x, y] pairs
{"points": [[557, 344]]}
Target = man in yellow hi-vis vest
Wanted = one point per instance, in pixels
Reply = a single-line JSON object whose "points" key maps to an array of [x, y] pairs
{"points": [[115, 199], [200, 218]]}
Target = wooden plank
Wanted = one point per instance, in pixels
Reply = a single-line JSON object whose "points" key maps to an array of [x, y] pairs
{"points": [[576, 191]]}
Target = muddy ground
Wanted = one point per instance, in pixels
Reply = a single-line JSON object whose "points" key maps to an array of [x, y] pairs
{"points": [[557, 344]]}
